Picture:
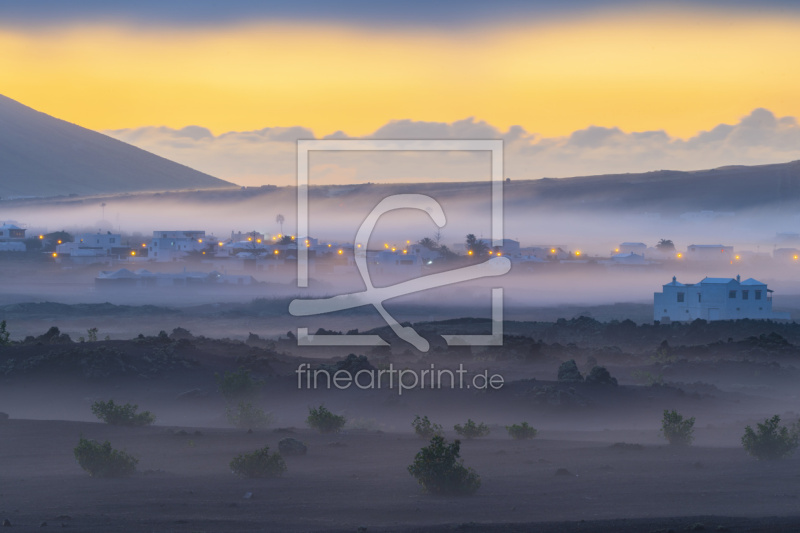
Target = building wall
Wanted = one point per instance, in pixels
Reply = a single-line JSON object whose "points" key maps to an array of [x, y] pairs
{"points": [[713, 302]]}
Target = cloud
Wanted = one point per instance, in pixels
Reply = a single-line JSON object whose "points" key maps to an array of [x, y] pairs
{"points": [[267, 156]]}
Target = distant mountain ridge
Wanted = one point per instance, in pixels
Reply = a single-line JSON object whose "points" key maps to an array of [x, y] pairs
{"points": [[44, 156]]}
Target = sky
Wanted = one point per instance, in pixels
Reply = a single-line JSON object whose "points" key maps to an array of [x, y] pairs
{"points": [[577, 85]]}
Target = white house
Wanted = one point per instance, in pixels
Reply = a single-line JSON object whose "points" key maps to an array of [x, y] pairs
{"points": [[638, 248], [174, 245], [715, 299], [10, 232], [91, 245]]}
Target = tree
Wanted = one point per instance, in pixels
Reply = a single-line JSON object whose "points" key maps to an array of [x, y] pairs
{"points": [[280, 220], [666, 245], [428, 243], [476, 247]]}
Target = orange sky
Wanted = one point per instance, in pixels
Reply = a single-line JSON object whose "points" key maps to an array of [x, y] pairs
{"points": [[643, 71]]}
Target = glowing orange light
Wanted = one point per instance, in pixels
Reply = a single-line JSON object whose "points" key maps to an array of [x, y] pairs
{"points": [[490, 252], [144, 245], [469, 252], [249, 238], [55, 254], [680, 255], [616, 250], [385, 245], [795, 258], [59, 241], [340, 252], [133, 252], [258, 241], [394, 249], [359, 246], [221, 243], [405, 251], [499, 254], [737, 257], [204, 253], [277, 252], [577, 253], [199, 240], [329, 246], [552, 250], [41, 236]]}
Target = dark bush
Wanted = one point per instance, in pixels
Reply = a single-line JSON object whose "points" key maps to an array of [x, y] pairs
{"points": [[771, 441], [259, 463], [238, 384], [101, 460], [600, 375], [676, 430], [471, 430], [438, 469], [424, 428], [324, 421], [568, 372], [121, 415], [521, 431], [247, 416]]}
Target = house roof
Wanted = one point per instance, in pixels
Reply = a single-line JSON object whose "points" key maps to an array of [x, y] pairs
{"points": [[633, 244], [751, 281], [723, 281], [9, 226], [709, 246]]}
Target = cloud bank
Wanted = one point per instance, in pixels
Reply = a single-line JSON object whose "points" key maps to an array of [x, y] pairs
{"points": [[267, 156]]}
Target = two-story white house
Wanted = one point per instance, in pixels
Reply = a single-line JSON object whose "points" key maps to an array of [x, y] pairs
{"points": [[714, 299], [89, 245], [174, 245]]}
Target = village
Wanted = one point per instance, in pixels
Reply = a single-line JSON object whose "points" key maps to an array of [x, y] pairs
{"points": [[194, 258]]}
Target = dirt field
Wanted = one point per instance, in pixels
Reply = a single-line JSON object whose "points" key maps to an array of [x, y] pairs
{"points": [[359, 479]]}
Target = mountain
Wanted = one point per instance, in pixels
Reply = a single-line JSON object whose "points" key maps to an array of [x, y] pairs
{"points": [[43, 156]]}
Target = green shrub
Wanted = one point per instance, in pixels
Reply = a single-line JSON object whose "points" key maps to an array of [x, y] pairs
{"points": [[121, 415], [101, 460], [247, 416], [676, 430], [521, 431], [772, 441], [438, 469], [324, 421], [260, 463], [238, 384], [92, 334], [471, 430], [425, 428]]}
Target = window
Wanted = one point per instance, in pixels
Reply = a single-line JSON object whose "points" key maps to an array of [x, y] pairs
{"points": [[699, 297], [731, 294], [681, 296], [758, 295], [745, 295]]}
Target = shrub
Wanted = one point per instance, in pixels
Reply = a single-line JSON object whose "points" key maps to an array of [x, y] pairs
{"points": [[248, 416], [772, 441], [238, 384], [601, 375], [676, 430], [101, 460], [521, 431], [3, 333], [260, 463], [471, 430], [425, 428], [92, 334], [438, 469], [324, 421], [568, 372], [121, 415]]}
